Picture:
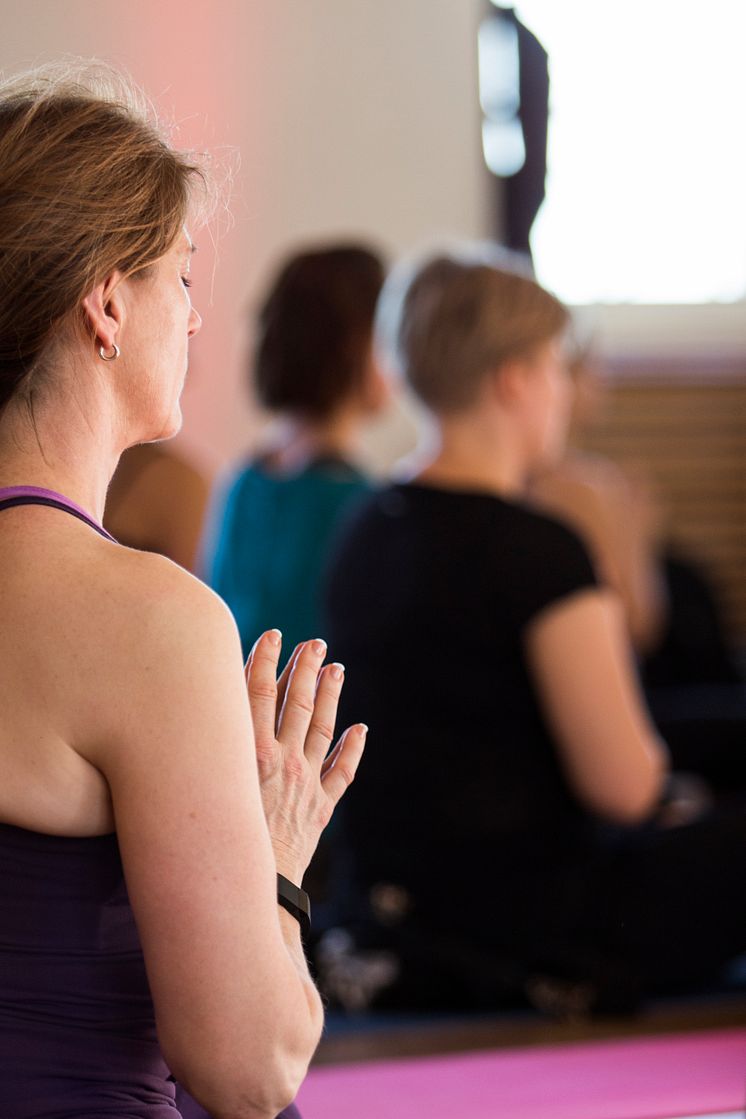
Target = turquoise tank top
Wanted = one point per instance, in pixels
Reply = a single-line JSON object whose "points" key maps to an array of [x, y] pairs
{"points": [[267, 544]]}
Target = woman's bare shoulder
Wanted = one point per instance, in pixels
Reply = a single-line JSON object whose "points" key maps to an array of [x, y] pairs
{"points": [[136, 585], [154, 638]]}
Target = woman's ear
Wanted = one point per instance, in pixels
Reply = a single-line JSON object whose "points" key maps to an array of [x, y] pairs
{"points": [[103, 311], [509, 382]]}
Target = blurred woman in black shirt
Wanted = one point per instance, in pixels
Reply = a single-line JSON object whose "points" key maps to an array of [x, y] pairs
{"points": [[508, 818]]}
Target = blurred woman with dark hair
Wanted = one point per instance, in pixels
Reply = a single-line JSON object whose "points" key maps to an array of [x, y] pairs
{"points": [[314, 368]]}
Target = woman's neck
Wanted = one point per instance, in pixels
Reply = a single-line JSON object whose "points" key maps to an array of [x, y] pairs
{"points": [[295, 443], [60, 449], [469, 454]]}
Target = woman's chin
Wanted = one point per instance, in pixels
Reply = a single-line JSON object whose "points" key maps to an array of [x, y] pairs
{"points": [[168, 427]]}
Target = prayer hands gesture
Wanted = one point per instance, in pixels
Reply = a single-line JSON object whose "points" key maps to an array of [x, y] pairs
{"points": [[301, 782]]}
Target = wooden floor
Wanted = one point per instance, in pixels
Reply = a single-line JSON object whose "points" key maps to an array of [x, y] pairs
{"points": [[364, 1038]]}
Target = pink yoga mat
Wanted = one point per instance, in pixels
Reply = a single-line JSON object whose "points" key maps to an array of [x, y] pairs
{"points": [[682, 1074]]}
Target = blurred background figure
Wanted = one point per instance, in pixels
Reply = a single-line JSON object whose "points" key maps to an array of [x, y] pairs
{"points": [[516, 819], [315, 370], [674, 619], [156, 502], [614, 511]]}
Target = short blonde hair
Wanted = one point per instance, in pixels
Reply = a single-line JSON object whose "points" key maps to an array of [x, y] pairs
{"points": [[456, 315], [88, 184]]}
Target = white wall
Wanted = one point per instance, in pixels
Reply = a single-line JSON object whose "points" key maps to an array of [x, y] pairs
{"points": [[355, 117]]}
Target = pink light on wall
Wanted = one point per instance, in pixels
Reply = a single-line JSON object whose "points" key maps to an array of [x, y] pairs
{"points": [[202, 67]]}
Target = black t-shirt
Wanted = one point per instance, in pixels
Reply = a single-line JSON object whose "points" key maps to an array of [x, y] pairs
{"points": [[429, 595]]}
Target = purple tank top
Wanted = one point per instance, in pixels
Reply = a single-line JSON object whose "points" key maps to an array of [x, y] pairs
{"points": [[77, 1025], [35, 495]]}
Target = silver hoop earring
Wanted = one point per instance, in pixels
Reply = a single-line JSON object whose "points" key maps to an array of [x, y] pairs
{"points": [[109, 357]]}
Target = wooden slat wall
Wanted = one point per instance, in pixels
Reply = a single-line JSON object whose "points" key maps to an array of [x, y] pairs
{"points": [[690, 437]]}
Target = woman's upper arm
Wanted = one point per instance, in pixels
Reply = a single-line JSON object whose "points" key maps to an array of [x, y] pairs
{"points": [[177, 752], [582, 666]]}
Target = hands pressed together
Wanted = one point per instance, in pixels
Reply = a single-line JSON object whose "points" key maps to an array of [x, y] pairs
{"points": [[294, 716]]}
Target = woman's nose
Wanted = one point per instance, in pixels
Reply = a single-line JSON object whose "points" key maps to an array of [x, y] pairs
{"points": [[195, 322]]}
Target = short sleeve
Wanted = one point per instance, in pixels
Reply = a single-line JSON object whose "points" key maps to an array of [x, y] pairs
{"points": [[547, 562]]}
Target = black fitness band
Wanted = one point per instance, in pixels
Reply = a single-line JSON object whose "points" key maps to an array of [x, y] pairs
{"points": [[296, 901]]}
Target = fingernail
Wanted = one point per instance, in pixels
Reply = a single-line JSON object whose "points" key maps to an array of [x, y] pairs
{"points": [[338, 671], [363, 729], [274, 637], [319, 647]]}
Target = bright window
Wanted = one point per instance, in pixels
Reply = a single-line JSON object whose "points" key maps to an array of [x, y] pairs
{"points": [[646, 182]]}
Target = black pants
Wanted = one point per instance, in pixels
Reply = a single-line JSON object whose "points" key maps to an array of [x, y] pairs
{"points": [[652, 910]]}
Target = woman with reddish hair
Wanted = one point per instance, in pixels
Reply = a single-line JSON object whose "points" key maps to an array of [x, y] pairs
{"points": [[148, 830]]}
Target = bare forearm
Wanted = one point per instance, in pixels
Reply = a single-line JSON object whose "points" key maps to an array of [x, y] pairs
{"points": [[288, 864], [291, 936], [284, 1045]]}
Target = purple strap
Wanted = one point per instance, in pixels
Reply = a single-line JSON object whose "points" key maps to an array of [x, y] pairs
{"points": [[11, 496]]}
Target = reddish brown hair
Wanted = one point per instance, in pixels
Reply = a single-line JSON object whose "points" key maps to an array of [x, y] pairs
{"points": [[88, 185]]}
